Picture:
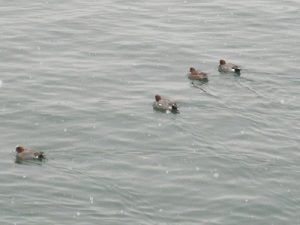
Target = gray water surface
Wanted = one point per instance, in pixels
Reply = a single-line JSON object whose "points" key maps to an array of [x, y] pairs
{"points": [[78, 79]]}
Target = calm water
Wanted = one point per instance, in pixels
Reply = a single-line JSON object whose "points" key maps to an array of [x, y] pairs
{"points": [[78, 79]]}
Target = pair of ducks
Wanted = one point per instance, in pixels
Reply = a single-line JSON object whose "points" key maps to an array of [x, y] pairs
{"points": [[165, 105], [223, 68]]}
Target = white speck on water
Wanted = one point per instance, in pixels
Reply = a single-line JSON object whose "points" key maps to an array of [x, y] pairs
{"points": [[78, 213], [65, 130], [246, 200], [92, 199], [282, 101], [242, 132], [159, 124], [197, 168], [1, 83], [167, 171], [216, 175], [24, 176], [160, 210]]}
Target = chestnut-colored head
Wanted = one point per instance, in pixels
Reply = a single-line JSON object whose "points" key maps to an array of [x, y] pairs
{"points": [[157, 98], [222, 62], [192, 69], [19, 149]]}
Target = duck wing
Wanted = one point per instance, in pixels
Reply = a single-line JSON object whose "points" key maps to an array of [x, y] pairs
{"points": [[233, 66]]}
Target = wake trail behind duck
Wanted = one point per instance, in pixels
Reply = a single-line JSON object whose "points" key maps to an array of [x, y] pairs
{"points": [[205, 91], [249, 88]]}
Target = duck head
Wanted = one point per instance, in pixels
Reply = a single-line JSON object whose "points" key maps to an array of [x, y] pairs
{"points": [[222, 62], [19, 149], [192, 69], [157, 98]]}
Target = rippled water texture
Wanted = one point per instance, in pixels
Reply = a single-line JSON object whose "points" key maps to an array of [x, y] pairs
{"points": [[78, 79]]}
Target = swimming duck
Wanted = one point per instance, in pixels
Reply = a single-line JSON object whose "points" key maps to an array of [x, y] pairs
{"points": [[165, 105], [27, 154], [228, 67], [197, 75]]}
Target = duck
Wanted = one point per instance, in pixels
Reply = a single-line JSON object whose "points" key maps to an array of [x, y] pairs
{"points": [[28, 154], [228, 67], [197, 75], [165, 105]]}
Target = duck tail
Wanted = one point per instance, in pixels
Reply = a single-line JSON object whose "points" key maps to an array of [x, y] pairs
{"points": [[41, 155], [237, 70], [175, 108]]}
